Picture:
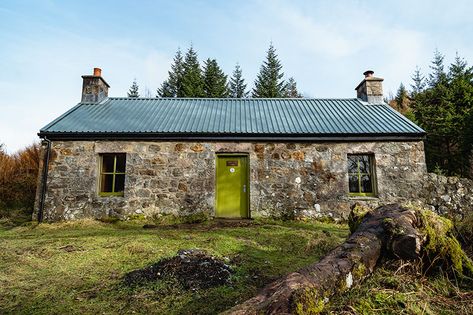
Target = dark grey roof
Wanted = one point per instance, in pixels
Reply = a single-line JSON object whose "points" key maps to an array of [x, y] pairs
{"points": [[174, 118]]}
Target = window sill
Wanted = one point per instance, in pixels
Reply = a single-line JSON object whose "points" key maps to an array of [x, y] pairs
{"points": [[374, 198], [110, 195]]}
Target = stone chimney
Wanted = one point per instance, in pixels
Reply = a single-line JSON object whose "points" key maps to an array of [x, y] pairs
{"points": [[94, 87], [370, 89]]}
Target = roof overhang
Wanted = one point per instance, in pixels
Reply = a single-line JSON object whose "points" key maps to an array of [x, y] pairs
{"points": [[229, 137]]}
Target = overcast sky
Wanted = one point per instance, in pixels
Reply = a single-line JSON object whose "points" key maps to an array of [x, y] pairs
{"points": [[45, 46]]}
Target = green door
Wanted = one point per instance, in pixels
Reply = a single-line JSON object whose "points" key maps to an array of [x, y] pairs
{"points": [[232, 186]]}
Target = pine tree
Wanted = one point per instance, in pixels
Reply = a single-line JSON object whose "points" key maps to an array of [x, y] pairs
{"points": [[192, 81], [215, 81], [133, 91], [291, 89], [438, 76], [173, 86], [166, 90], [419, 82], [460, 78], [269, 82], [443, 109], [237, 84], [402, 99]]}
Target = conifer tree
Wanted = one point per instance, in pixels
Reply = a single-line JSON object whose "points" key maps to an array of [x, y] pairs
{"points": [[291, 89], [173, 86], [133, 91], [215, 81], [460, 78], [438, 75], [418, 82], [402, 99], [237, 84], [192, 81], [269, 82], [443, 109], [166, 90]]}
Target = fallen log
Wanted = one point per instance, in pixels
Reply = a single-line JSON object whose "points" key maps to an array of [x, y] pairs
{"points": [[389, 231]]}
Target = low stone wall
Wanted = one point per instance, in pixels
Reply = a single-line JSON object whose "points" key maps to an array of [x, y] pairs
{"points": [[286, 179], [451, 196]]}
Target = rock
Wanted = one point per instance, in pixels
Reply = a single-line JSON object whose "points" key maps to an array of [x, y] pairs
{"points": [[197, 147]]}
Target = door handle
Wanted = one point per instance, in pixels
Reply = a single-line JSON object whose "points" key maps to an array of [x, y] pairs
{"points": [[244, 188]]}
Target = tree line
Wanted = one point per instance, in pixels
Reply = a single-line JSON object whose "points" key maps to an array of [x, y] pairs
{"points": [[187, 78], [441, 102]]}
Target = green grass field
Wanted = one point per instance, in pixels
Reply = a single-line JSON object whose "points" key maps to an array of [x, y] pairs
{"points": [[77, 267]]}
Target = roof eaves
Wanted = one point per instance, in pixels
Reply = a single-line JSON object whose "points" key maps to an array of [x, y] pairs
{"points": [[183, 136]]}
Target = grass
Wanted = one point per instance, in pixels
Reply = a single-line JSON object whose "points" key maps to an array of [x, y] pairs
{"points": [[77, 267], [401, 288]]}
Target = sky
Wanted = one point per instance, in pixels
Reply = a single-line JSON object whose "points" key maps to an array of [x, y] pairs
{"points": [[45, 46]]}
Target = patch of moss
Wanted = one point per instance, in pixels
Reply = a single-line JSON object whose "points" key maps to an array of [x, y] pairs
{"points": [[308, 302], [359, 272], [357, 214], [441, 243], [136, 217]]}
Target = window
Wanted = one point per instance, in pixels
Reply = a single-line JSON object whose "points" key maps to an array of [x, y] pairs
{"points": [[112, 174], [361, 177]]}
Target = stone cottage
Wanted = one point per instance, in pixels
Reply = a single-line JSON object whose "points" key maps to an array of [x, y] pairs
{"points": [[232, 158]]}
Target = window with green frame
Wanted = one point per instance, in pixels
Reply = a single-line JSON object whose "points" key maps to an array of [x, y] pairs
{"points": [[361, 175], [112, 174]]}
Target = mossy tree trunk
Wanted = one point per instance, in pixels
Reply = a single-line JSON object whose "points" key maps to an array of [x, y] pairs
{"points": [[389, 231]]}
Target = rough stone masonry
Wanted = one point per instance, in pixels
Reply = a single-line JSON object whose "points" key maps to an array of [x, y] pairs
{"points": [[286, 179]]}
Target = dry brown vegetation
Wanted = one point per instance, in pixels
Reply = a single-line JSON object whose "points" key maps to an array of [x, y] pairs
{"points": [[18, 175]]}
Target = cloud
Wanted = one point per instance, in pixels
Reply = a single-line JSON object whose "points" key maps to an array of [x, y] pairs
{"points": [[325, 45]]}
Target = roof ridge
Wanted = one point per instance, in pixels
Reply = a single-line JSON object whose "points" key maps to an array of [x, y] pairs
{"points": [[229, 98]]}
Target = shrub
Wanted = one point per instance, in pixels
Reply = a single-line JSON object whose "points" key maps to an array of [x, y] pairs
{"points": [[18, 175]]}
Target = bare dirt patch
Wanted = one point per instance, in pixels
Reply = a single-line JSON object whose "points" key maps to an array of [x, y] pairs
{"points": [[192, 269]]}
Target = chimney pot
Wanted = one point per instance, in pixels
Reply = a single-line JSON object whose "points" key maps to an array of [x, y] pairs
{"points": [[368, 73], [97, 72]]}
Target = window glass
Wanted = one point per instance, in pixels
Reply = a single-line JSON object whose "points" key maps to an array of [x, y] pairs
{"points": [[366, 184], [360, 174], [112, 177], [120, 163], [354, 186], [108, 161], [119, 183], [352, 164], [364, 163], [107, 183]]}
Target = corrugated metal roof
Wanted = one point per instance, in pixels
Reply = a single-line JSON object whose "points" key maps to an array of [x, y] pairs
{"points": [[218, 117]]}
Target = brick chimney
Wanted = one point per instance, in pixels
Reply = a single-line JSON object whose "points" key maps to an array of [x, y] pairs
{"points": [[94, 87], [370, 89]]}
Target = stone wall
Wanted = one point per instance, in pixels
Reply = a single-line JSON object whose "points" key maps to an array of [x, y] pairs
{"points": [[301, 179], [450, 196]]}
